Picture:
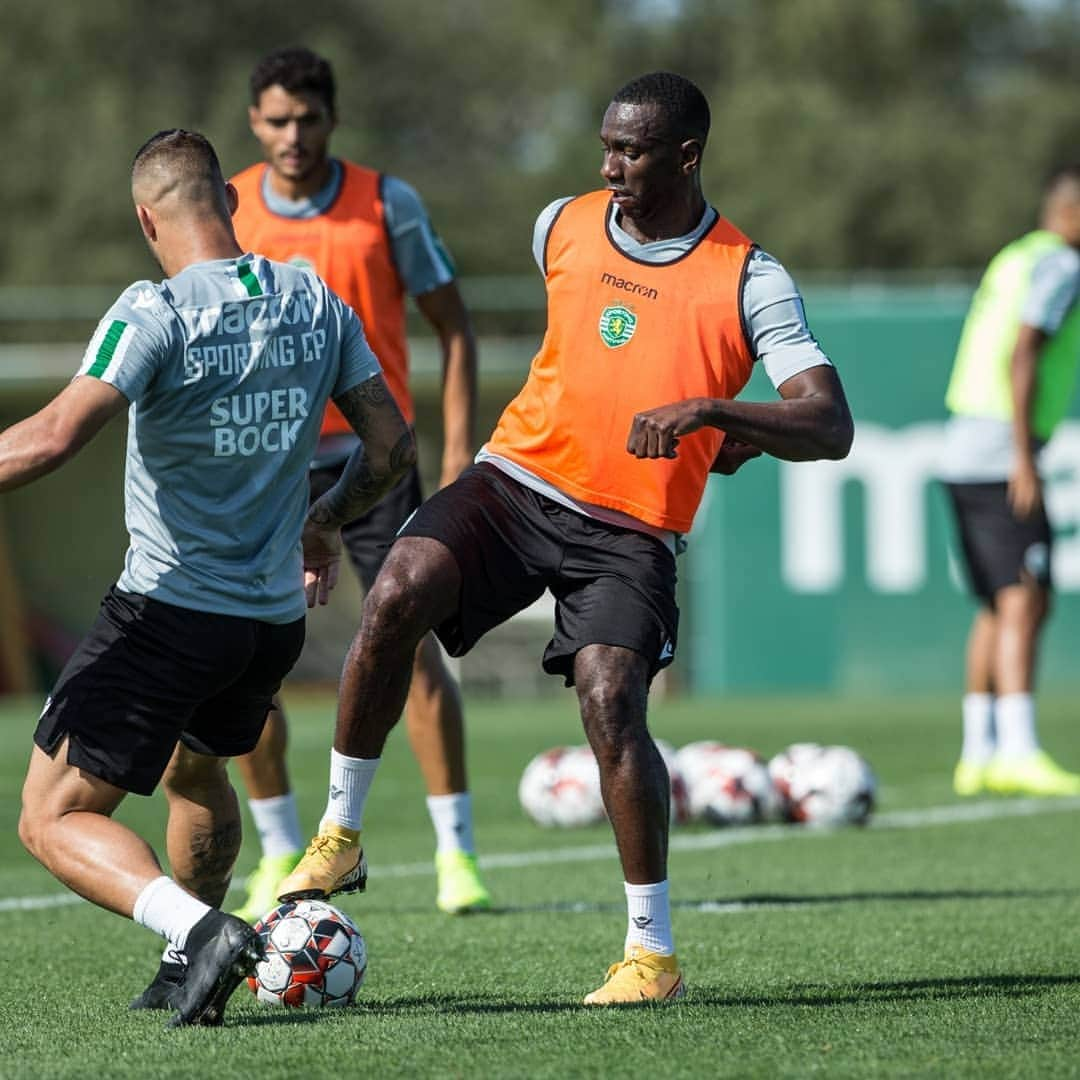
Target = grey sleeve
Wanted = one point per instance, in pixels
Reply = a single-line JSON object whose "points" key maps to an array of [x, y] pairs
{"points": [[130, 343], [776, 320], [1055, 285], [358, 362], [543, 225], [422, 260]]}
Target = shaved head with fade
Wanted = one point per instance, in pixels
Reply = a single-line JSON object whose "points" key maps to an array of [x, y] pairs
{"points": [[182, 202], [177, 172]]}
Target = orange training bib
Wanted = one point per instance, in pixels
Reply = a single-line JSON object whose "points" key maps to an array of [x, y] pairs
{"points": [[625, 336], [349, 249]]}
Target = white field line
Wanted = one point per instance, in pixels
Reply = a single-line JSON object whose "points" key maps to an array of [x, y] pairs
{"points": [[958, 814]]}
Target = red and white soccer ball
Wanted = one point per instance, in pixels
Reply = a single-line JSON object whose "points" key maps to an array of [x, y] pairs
{"points": [[824, 785], [727, 785], [784, 767], [561, 787], [315, 955]]}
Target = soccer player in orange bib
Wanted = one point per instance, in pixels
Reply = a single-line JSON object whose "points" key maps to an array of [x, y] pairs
{"points": [[369, 237], [658, 309]]}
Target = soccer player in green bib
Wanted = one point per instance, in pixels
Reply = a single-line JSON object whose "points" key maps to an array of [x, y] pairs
{"points": [[1011, 385]]}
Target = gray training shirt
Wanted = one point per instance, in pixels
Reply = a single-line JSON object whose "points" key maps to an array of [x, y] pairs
{"points": [[228, 367]]}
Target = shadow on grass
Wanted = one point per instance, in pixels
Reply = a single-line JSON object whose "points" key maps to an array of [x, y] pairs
{"points": [[954, 988], [724, 904], [957, 988]]}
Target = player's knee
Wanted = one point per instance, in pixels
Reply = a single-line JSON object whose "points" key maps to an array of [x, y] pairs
{"points": [[396, 608], [1023, 607], [195, 776], [611, 712], [31, 828]]}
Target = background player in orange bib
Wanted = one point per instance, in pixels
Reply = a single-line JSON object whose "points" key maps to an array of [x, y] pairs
{"points": [[369, 237], [657, 310]]}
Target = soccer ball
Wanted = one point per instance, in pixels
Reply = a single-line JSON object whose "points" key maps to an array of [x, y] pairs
{"points": [[561, 787], [824, 785], [315, 955], [577, 789], [784, 768], [536, 789], [727, 785]]}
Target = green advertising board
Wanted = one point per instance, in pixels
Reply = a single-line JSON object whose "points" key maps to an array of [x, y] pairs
{"points": [[840, 575], [833, 576]]}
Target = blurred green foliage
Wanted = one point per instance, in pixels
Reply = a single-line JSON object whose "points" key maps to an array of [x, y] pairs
{"points": [[847, 134]]}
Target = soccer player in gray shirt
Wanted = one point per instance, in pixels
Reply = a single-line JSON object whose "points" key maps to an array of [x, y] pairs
{"points": [[225, 369]]}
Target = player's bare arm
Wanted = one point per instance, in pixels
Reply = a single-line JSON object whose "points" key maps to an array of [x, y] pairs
{"points": [[387, 451], [44, 441], [811, 421], [445, 311], [732, 456], [1025, 488]]}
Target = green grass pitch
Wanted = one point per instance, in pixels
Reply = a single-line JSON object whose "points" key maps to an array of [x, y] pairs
{"points": [[920, 946]]}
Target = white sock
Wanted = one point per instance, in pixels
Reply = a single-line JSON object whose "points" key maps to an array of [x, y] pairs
{"points": [[978, 711], [278, 824], [452, 817], [649, 918], [1015, 714], [168, 910], [350, 781]]}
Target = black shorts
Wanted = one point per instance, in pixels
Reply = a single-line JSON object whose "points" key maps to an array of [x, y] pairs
{"points": [[148, 674], [999, 548], [368, 538], [612, 586]]}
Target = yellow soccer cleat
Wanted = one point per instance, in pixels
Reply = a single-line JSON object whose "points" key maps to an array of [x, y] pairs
{"points": [[968, 778], [1036, 774], [333, 863], [262, 885], [460, 887], [640, 979]]}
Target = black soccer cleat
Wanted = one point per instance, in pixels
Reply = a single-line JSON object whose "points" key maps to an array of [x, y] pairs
{"points": [[221, 951], [160, 993]]}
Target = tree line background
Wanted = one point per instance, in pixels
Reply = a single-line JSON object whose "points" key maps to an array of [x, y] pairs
{"points": [[900, 135]]}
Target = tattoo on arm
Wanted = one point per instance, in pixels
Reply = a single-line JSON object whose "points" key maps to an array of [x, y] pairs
{"points": [[386, 452], [355, 492], [363, 402], [403, 454]]}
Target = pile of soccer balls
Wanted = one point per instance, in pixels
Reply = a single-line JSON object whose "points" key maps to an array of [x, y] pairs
{"points": [[315, 955], [710, 782]]}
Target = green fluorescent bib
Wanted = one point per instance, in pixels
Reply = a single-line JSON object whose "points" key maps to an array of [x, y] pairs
{"points": [[980, 383]]}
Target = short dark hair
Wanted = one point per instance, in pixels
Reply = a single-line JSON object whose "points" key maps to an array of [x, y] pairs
{"points": [[175, 161], [296, 70], [682, 103], [190, 146]]}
